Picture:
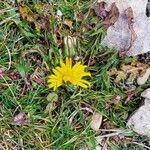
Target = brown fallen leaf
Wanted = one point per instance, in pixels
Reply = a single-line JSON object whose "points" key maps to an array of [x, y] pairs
{"points": [[37, 76], [112, 16], [14, 75], [2, 72], [68, 23], [40, 21], [129, 95], [99, 9], [113, 101], [130, 71], [20, 119], [96, 121], [130, 18], [58, 38], [25, 13]]}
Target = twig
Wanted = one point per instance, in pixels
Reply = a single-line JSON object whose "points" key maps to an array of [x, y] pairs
{"points": [[110, 130], [140, 144], [105, 144], [108, 135]]}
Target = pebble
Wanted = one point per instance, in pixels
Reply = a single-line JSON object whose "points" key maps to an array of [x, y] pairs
{"points": [[143, 79], [140, 119]]}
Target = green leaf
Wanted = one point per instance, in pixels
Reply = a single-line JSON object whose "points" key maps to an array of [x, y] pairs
{"points": [[52, 97], [22, 69]]}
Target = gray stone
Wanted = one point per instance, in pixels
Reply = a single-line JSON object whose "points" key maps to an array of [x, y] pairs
{"points": [[140, 120], [143, 79], [118, 36], [146, 94]]}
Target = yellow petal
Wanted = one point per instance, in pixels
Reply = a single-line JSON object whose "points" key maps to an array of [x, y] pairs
{"points": [[51, 85], [52, 77], [62, 64], [86, 82], [76, 66], [86, 74], [82, 85], [56, 72]]}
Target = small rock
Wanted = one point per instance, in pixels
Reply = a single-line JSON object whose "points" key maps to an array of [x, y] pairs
{"points": [[142, 80], [118, 36], [140, 120], [146, 94]]}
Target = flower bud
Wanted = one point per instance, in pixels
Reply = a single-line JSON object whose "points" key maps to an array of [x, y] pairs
{"points": [[70, 43]]}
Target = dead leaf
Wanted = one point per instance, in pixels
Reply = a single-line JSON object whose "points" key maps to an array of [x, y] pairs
{"points": [[40, 21], [26, 13], [113, 101], [112, 16], [130, 17], [101, 143], [58, 36], [2, 72], [68, 23], [23, 11], [129, 95], [37, 76], [99, 9], [96, 121], [132, 71], [20, 118], [14, 75]]}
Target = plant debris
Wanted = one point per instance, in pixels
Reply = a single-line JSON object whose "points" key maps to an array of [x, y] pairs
{"points": [[112, 102], [99, 9], [112, 16], [130, 71], [40, 21], [96, 121], [129, 95], [20, 119], [130, 18]]}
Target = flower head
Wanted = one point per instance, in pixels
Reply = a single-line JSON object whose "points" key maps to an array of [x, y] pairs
{"points": [[68, 73]]}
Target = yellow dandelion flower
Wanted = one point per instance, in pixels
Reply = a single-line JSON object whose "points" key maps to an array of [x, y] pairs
{"points": [[68, 73]]}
